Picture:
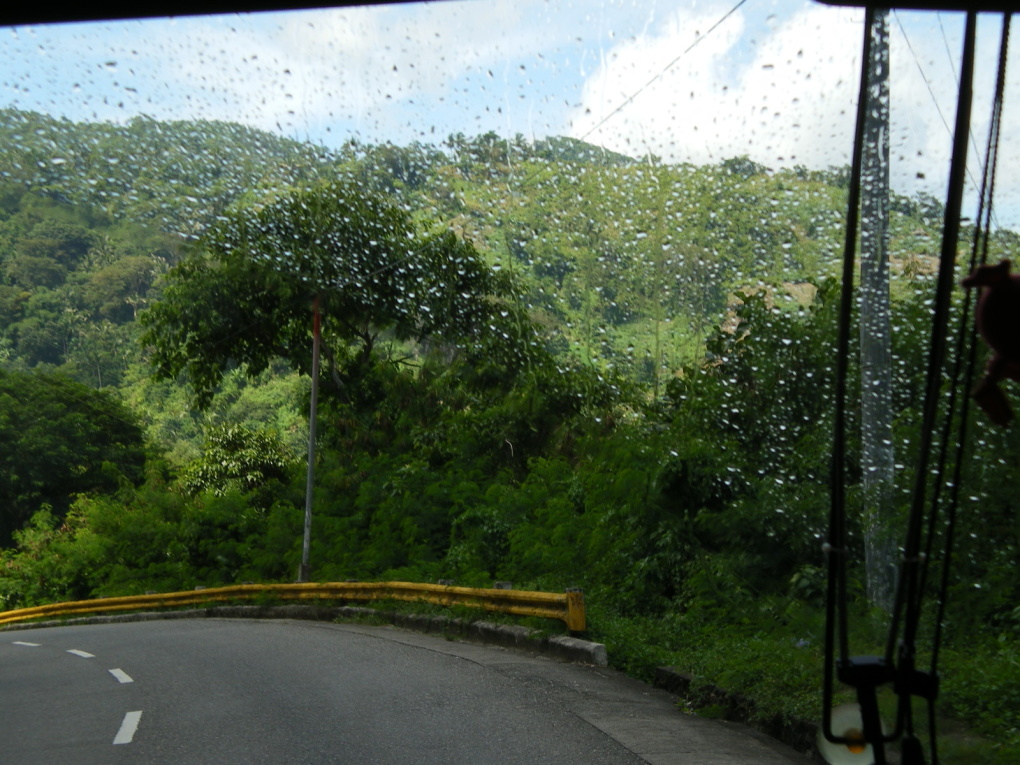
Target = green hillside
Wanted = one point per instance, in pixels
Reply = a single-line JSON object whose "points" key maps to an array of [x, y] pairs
{"points": [[542, 362]]}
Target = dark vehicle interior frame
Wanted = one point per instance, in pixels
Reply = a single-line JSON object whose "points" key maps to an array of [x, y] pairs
{"points": [[864, 673], [28, 13]]}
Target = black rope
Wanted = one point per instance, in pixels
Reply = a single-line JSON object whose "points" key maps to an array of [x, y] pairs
{"points": [[906, 599], [966, 347], [903, 650], [898, 665]]}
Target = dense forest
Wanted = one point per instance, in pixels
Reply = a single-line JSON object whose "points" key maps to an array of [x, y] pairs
{"points": [[543, 362]]}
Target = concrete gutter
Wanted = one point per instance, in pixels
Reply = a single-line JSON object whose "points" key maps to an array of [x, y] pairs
{"points": [[801, 735], [508, 636]]}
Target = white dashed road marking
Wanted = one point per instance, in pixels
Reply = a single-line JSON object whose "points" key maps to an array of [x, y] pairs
{"points": [[121, 675], [128, 728]]}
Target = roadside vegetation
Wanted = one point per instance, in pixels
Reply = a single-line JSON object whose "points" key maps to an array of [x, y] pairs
{"points": [[542, 363]]}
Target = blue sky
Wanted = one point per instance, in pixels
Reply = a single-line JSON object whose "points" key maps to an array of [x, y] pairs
{"points": [[776, 80]]}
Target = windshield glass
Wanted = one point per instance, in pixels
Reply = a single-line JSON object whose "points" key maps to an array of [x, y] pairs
{"points": [[573, 268]]}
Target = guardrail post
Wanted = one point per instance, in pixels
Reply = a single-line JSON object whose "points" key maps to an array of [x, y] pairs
{"points": [[575, 609]]}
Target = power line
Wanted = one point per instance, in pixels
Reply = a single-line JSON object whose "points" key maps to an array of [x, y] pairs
{"points": [[931, 92], [644, 87], [920, 69], [665, 69]]}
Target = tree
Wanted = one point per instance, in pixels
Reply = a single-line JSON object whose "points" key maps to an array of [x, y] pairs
{"points": [[744, 167], [34, 272], [116, 290], [99, 353], [65, 243], [248, 299], [59, 438], [237, 457]]}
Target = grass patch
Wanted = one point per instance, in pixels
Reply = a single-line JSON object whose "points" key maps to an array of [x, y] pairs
{"points": [[771, 661]]}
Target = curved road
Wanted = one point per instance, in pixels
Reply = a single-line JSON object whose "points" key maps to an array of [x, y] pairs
{"points": [[228, 691]]}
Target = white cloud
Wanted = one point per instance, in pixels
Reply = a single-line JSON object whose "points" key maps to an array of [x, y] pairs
{"points": [[924, 71], [356, 69], [783, 91], [778, 88], [344, 67], [782, 94]]}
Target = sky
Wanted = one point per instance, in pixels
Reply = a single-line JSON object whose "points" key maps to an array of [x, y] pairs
{"points": [[686, 81]]}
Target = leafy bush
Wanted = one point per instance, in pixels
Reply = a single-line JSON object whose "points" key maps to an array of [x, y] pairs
{"points": [[59, 438], [237, 458]]}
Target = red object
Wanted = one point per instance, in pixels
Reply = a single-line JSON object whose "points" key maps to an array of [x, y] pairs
{"points": [[998, 322]]}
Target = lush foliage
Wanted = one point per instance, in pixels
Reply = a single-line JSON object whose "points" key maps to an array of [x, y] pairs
{"points": [[59, 438], [238, 458], [595, 372], [176, 176], [72, 284], [369, 269]]}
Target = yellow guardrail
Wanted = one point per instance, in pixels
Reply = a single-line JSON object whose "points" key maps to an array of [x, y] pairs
{"points": [[567, 606]]}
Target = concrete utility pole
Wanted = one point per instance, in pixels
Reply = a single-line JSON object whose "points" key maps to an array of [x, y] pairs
{"points": [[305, 572], [877, 457]]}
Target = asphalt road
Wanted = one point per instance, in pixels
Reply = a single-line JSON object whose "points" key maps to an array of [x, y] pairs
{"points": [[224, 691]]}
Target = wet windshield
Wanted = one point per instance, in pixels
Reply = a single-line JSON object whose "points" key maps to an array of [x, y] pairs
{"points": [[574, 267]]}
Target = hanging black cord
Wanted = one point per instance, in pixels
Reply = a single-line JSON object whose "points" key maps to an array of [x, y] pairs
{"points": [[835, 548], [906, 591], [968, 330], [909, 682], [966, 346], [867, 673]]}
